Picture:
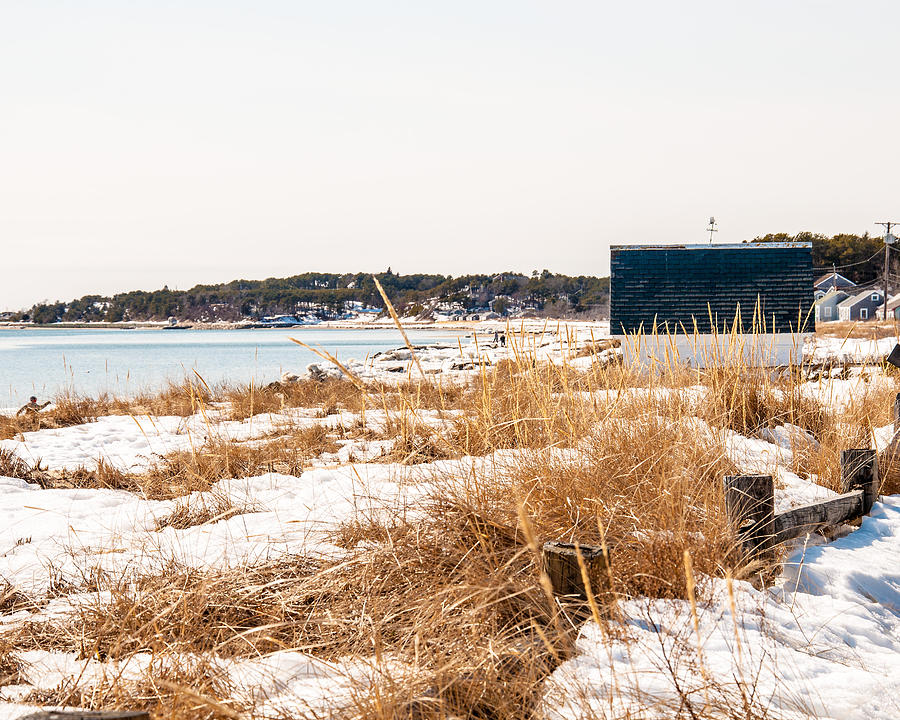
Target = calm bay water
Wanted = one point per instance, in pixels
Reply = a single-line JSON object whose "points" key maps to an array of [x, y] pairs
{"points": [[44, 362]]}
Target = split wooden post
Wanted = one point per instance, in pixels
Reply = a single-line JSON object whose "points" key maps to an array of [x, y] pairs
{"points": [[561, 566], [897, 413], [750, 505], [859, 471]]}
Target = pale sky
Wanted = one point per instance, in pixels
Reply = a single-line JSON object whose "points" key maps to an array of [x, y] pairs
{"points": [[145, 143]]}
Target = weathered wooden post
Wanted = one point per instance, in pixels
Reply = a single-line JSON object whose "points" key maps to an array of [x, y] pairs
{"points": [[897, 413], [750, 505], [561, 566], [859, 471]]}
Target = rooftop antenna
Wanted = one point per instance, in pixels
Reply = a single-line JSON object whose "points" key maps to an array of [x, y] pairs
{"points": [[711, 229]]}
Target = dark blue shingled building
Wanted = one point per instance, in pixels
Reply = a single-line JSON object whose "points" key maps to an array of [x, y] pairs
{"points": [[674, 286]]}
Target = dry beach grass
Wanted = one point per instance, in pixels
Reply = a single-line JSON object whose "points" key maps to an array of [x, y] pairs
{"points": [[449, 603]]}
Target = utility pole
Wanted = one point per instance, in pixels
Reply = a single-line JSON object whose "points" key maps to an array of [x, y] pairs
{"points": [[888, 241]]}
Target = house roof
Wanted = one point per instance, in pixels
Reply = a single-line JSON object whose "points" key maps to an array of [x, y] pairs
{"points": [[859, 297], [893, 302], [723, 246], [830, 295], [839, 280]]}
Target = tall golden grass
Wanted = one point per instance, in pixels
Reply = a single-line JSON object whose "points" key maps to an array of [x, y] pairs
{"points": [[629, 458]]}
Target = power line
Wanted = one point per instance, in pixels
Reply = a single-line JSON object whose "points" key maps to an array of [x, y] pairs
{"points": [[857, 289]]}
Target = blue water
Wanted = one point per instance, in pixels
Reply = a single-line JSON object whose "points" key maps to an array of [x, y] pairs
{"points": [[123, 362]]}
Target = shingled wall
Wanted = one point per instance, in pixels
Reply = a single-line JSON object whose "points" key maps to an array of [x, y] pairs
{"points": [[678, 284]]}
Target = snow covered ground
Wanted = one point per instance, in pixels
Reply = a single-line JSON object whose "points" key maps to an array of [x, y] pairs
{"points": [[75, 530], [134, 442], [824, 642], [849, 350]]}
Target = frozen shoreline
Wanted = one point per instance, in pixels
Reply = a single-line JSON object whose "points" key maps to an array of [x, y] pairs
{"points": [[375, 324]]}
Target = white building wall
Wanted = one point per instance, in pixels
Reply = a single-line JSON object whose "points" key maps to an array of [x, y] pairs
{"points": [[703, 350]]}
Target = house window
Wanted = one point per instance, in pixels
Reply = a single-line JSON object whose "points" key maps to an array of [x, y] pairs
{"points": [[863, 313], [827, 310], [876, 297]]}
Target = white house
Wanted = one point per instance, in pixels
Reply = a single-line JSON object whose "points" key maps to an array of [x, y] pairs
{"points": [[827, 305]]}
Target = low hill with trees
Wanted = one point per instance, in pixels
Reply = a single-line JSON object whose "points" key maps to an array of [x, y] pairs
{"points": [[330, 295]]}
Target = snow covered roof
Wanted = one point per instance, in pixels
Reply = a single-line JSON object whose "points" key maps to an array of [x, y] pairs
{"points": [[831, 294]]}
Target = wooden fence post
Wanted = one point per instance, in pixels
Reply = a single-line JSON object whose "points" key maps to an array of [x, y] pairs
{"points": [[561, 565], [897, 413], [750, 505], [859, 471]]}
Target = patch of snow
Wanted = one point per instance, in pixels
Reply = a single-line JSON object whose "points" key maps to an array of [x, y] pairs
{"points": [[826, 642]]}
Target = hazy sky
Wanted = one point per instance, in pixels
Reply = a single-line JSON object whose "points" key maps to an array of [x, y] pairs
{"points": [[151, 143]]}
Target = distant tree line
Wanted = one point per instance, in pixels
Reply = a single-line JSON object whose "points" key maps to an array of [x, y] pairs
{"points": [[330, 294], [857, 257]]}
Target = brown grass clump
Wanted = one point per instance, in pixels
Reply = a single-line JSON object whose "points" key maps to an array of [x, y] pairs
{"points": [[208, 510], [182, 399], [11, 668], [329, 395], [66, 410], [10, 427], [363, 530], [432, 394], [11, 465], [245, 402], [746, 399], [851, 426], [310, 441], [12, 599], [176, 398], [595, 347], [182, 472], [649, 487], [186, 471], [103, 475], [457, 597], [172, 689], [415, 443], [69, 409], [516, 408]]}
